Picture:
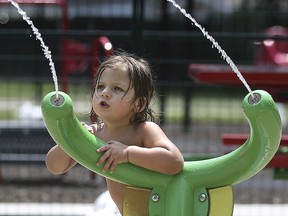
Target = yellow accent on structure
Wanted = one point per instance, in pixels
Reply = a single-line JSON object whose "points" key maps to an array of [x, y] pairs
{"points": [[136, 201], [221, 201]]}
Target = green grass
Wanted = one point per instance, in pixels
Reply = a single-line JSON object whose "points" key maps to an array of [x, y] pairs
{"points": [[16, 91], [7, 115]]}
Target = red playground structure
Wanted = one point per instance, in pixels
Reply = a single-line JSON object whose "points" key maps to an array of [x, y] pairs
{"points": [[76, 55]]}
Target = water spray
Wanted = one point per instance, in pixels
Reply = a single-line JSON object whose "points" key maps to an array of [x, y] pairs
{"points": [[45, 48], [214, 44]]}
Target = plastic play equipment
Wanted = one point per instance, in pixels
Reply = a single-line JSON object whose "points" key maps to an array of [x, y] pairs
{"points": [[202, 188]]}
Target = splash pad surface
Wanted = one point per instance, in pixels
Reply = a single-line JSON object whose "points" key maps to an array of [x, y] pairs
{"points": [[80, 209]]}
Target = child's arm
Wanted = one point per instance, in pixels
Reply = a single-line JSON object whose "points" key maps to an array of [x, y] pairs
{"points": [[158, 154], [57, 161]]}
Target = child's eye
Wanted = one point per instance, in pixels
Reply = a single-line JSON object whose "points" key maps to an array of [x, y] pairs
{"points": [[100, 87], [118, 89]]}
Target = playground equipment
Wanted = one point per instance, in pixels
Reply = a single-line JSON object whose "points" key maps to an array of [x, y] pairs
{"points": [[269, 72], [202, 188], [271, 51], [77, 55]]}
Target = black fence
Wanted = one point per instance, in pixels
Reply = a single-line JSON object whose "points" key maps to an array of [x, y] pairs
{"points": [[155, 30]]}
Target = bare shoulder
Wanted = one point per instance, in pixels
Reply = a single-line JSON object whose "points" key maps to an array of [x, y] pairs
{"points": [[153, 135], [150, 127]]}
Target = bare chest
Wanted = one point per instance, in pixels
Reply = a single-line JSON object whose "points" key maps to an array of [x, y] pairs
{"points": [[127, 138]]}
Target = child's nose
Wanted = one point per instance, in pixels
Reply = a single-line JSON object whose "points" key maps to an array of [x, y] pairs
{"points": [[105, 93]]}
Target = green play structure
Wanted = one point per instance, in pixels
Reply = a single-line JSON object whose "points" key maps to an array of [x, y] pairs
{"points": [[203, 188]]}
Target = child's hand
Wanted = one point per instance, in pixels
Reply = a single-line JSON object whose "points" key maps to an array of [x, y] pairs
{"points": [[114, 153], [88, 127]]}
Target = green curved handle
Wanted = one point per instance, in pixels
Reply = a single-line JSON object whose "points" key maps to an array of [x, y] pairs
{"points": [[243, 163], [196, 177]]}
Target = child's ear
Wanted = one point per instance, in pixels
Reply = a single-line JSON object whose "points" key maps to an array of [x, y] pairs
{"points": [[138, 106]]}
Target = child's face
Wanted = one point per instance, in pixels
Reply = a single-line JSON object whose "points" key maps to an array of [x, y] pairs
{"points": [[113, 100]]}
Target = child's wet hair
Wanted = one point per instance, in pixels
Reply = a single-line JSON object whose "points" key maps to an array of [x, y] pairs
{"points": [[141, 79]]}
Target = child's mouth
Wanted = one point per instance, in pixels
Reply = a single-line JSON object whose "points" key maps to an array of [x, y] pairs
{"points": [[104, 104]]}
